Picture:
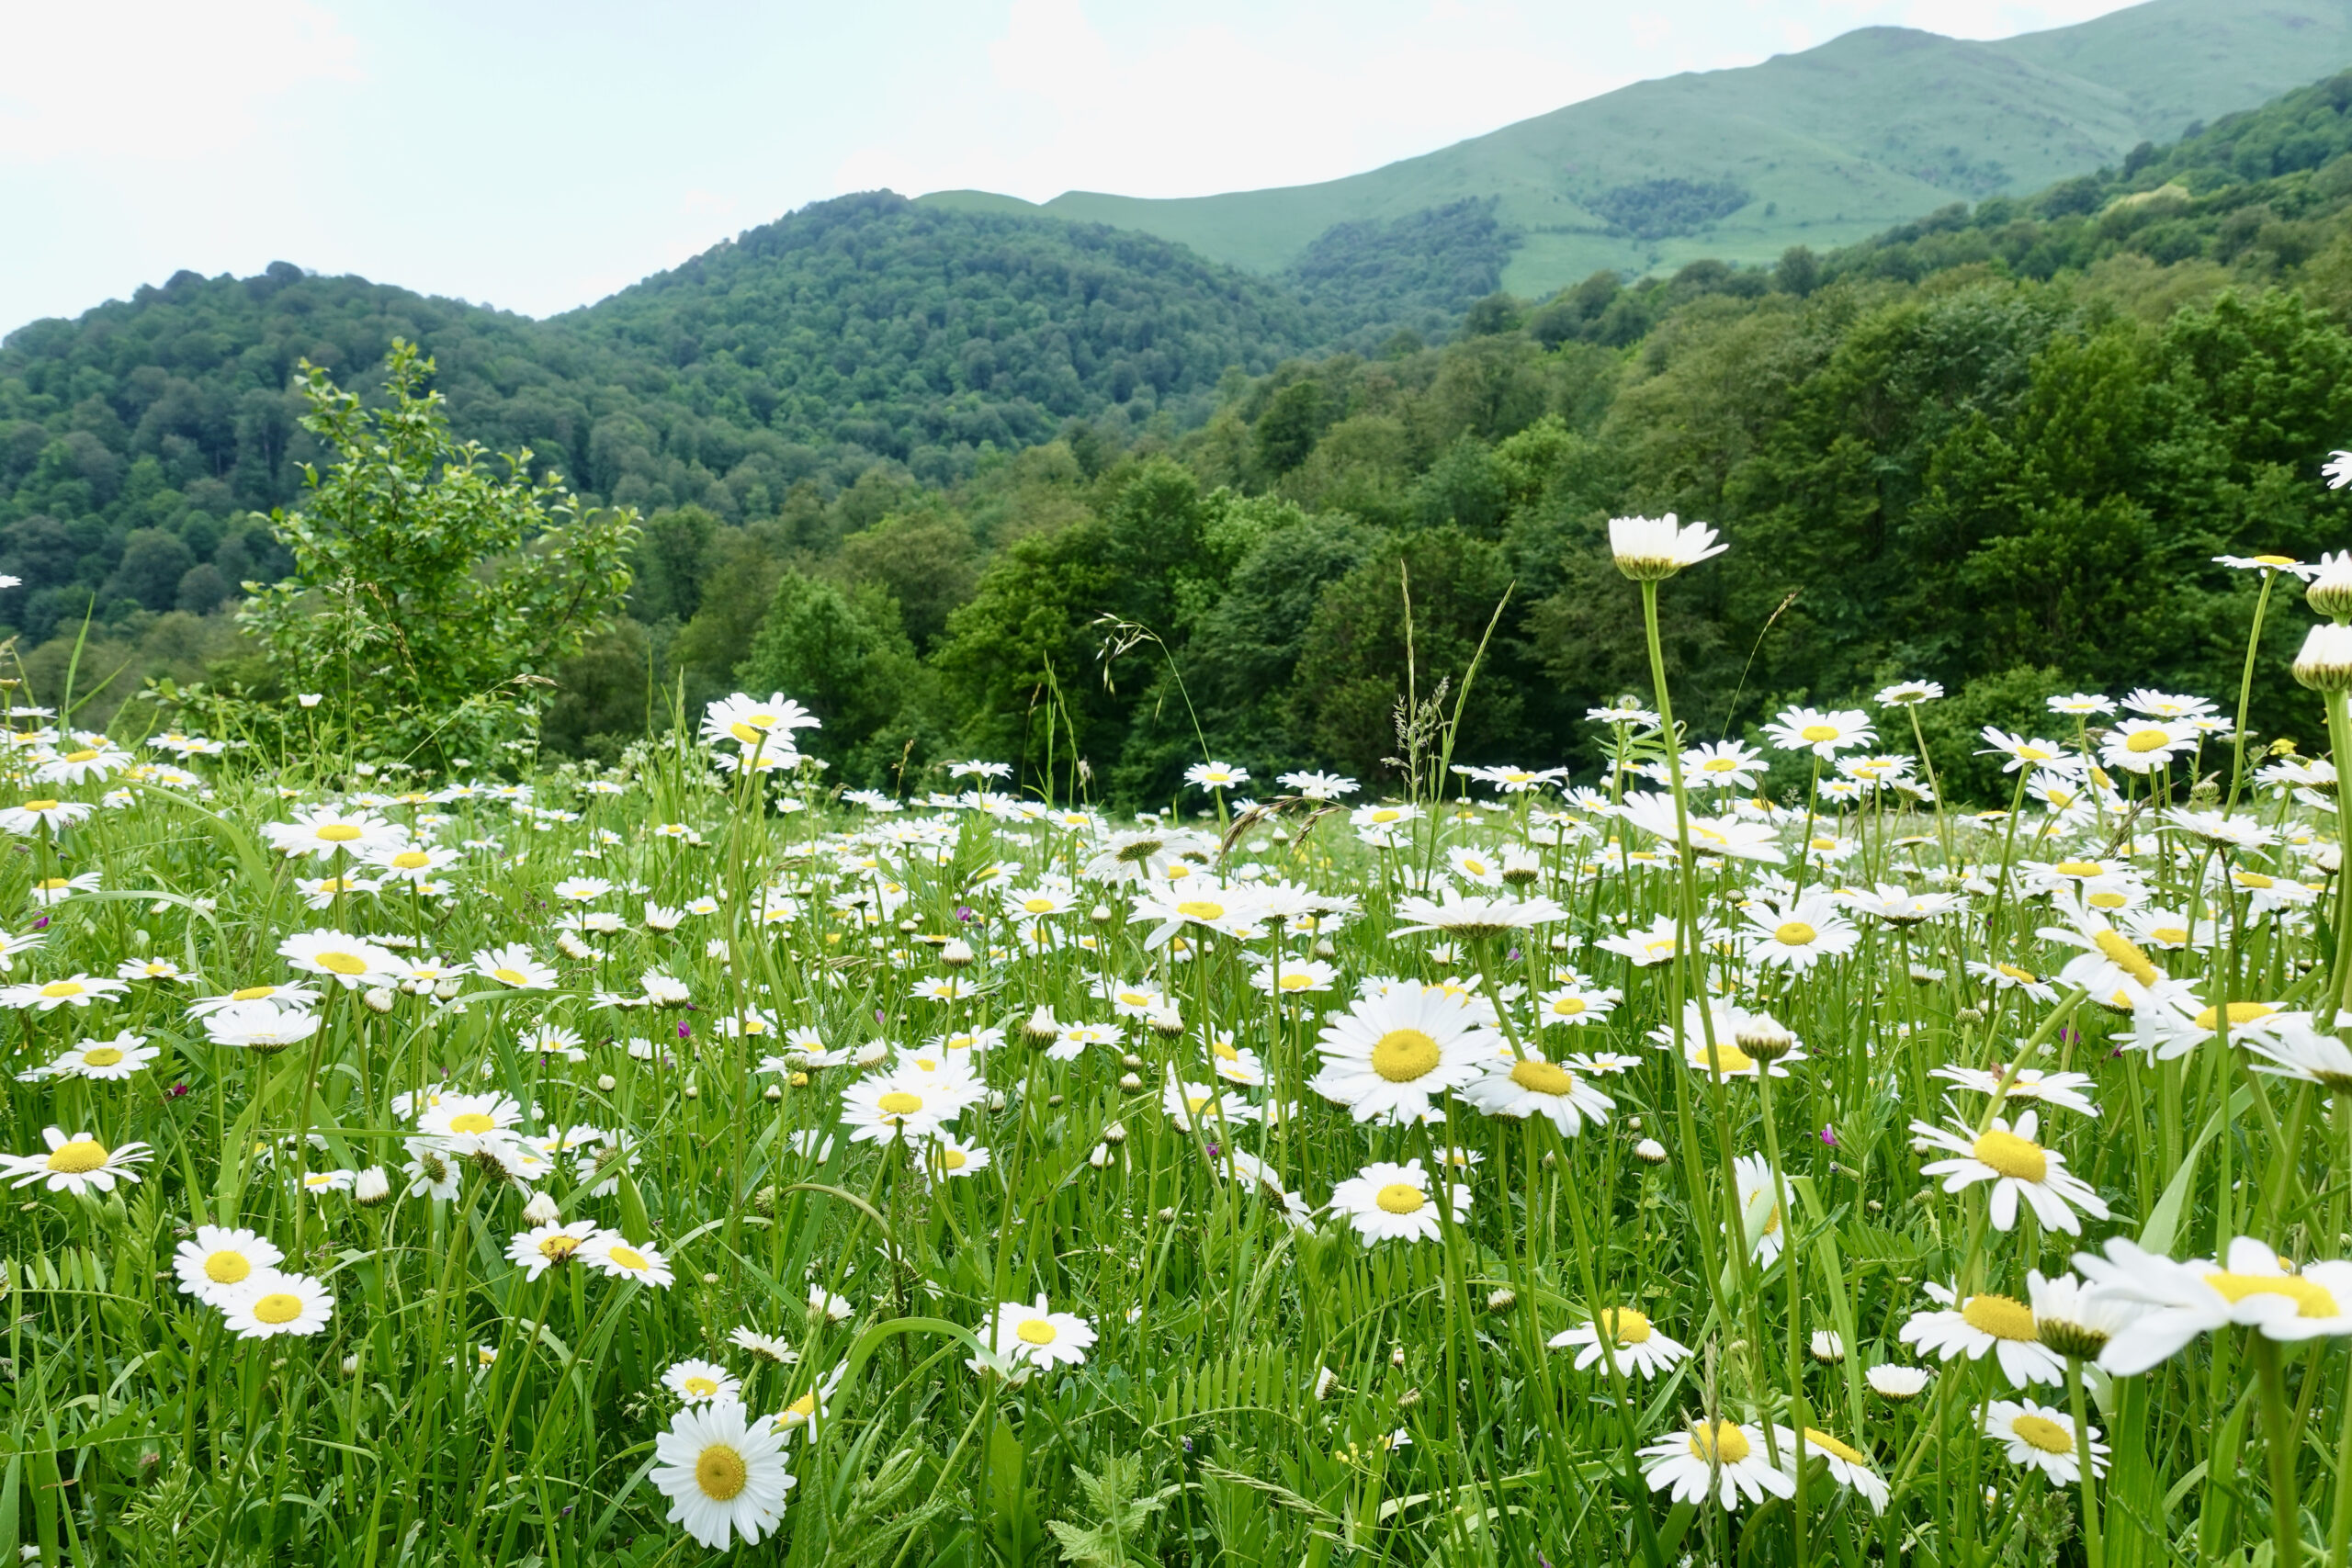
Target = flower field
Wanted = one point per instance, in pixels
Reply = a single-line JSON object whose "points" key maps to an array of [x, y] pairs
{"points": [[633, 1165]]}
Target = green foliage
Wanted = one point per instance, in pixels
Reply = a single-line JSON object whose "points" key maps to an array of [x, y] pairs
{"points": [[425, 586], [1118, 1536], [844, 655]]}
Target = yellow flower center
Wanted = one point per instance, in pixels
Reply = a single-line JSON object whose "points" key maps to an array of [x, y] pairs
{"points": [[701, 1387], [2146, 740], [898, 1102], [473, 1121], [2079, 868], [1728, 1058], [2022, 976], [1294, 981], [2240, 1012], [342, 963], [2171, 936], [2107, 900], [802, 1408], [410, 860], [627, 1257], [338, 832], [2275, 561], [1817, 733], [101, 1057], [2041, 1432], [1223, 1052], [226, 1267], [63, 988], [558, 1247], [1038, 906], [253, 993], [1385, 815], [1793, 933], [1567, 1007], [512, 977], [278, 1306], [2311, 1299], [85, 755], [953, 1160], [1403, 1054], [2003, 1318], [719, 1471], [41, 805], [1625, 1325], [1192, 1102], [2254, 879], [1818, 842], [1718, 765], [1400, 1198], [2013, 1156], [81, 1154], [1201, 909], [52, 884], [2031, 754], [1474, 867], [1826, 1444], [1036, 1331], [2125, 954], [1724, 1442], [1543, 1078]]}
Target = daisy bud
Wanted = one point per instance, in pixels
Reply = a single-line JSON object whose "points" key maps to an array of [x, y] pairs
{"points": [[1100, 1157], [1502, 1300], [1650, 1152], [1633, 1123], [1132, 1062], [1764, 1037], [1325, 1382], [910, 927], [541, 1211], [774, 1092], [1041, 1030], [1167, 1023], [1099, 914], [447, 990], [1397, 1358], [1167, 1217], [1130, 1083], [1827, 1347], [351, 1366], [607, 1083], [871, 1053], [2325, 662], [710, 1278], [2330, 592], [377, 997], [692, 1091], [956, 954], [1897, 1383], [1116, 1132], [996, 1099], [372, 1186], [1324, 949], [1410, 1397], [1053, 1102]]}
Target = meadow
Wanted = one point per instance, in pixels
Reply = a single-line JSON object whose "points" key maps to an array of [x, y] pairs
{"points": [[555, 1163]]}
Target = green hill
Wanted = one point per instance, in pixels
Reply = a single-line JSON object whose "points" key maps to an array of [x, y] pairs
{"points": [[1823, 148]]}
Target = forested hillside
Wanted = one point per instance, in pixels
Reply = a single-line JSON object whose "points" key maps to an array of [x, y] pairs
{"points": [[904, 463]]}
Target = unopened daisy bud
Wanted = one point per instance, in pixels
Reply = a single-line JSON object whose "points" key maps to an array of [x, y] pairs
{"points": [[1324, 949], [1132, 1062], [1898, 1383], [1764, 1037], [1325, 1382], [1970, 1015], [871, 1053], [2330, 592], [377, 997], [541, 1211], [371, 1185], [692, 1091], [773, 1092], [607, 1083], [1633, 1123], [447, 990], [1502, 1300], [350, 1370], [1100, 1157], [1053, 1101], [1166, 1023], [1650, 1152], [2325, 662], [1116, 1132], [1826, 1347], [1099, 914], [1041, 1029], [996, 1099], [1397, 1358], [1130, 1083], [956, 954], [1410, 1397]]}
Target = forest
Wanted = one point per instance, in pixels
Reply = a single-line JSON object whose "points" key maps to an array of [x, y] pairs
{"points": [[960, 480]]}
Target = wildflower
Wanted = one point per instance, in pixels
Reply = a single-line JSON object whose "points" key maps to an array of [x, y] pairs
{"points": [[699, 1382], [1896, 1382], [1651, 549], [513, 964], [2002, 1324], [1386, 1055], [346, 960], [77, 1165], [608, 1253], [1652, 813], [1037, 1336], [1528, 1085], [723, 1472], [1216, 775], [269, 1303], [1800, 933], [322, 831], [216, 1262], [110, 1060], [1728, 1460], [1391, 1202], [548, 1244], [2039, 1437], [1635, 1342], [30, 816], [813, 1406], [2180, 1300], [73, 991], [1822, 734], [2016, 1167]]}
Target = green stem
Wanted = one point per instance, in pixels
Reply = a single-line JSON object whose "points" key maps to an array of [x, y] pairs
{"points": [[2279, 1443]]}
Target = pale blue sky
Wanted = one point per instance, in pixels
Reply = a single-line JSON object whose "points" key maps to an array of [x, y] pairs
{"points": [[540, 155]]}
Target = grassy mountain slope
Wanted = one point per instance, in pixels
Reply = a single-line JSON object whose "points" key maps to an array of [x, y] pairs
{"points": [[1823, 148]]}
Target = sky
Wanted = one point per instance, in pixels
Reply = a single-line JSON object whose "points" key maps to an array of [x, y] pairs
{"points": [[539, 156]]}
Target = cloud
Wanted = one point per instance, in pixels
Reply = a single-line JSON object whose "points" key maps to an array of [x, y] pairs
{"points": [[155, 79]]}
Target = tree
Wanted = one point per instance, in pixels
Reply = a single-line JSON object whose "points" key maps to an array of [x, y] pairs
{"points": [[430, 594], [844, 655]]}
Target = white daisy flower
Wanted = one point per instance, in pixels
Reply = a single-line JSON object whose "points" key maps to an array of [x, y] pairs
{"points": [[2002, 1324], [723, 1472], [1726, 1460], [2040, 1438], [1635, 1342], [2016, 1166]]}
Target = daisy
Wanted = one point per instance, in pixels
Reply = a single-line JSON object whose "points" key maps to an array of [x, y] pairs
{"points": [[2016, 1167], [1734, 1030], [1652, 813], [216, 1262], [952, 1157], [1196, 1105], [901, 1104], [1725, 1460], [1576, 1004], [2014, 977], [1290, 977], [1320, 786], [1800, 933], [2072, 1319], [1908, 694], [2002, 1324], [1037, 1334], [722, 1470], [1651, 549], [1391, 1202], [148, 969], [514, 966], [1635, 1342], [2037, 753], [699, 1382], [608, 1253], [1216, 775], [2040, 1438], [1653, 945], [269, 1303], [1236, 1063], [73, 991], [1849, 1466], [2180, 1300], [2069, 1091], [1822, 734], [323, 831], [259, 1026], [29, 818], [755, 724], [1387, 1056], [348, 959], [814, 1405], [1529, 1086], [1899, 905], [295, 995], [767, 1347], [1762, 1210], [1897, 1383], [542, 1247], [110, 1060], [1724, 765], [77, 1165], [2143, 745], [1470, 917]]}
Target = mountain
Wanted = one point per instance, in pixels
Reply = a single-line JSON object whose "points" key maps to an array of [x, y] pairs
{"points": [[1823, 148]]}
